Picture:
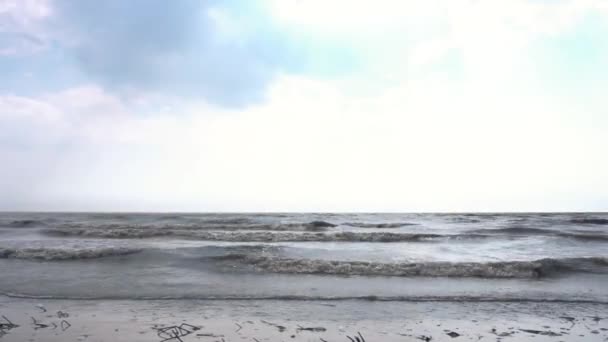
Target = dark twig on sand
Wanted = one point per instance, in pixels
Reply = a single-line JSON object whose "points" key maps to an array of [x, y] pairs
{"points": [[313, 329], [209, 335], [359, 338], [541, 332], [280, 327], [38, 325], [6, 326], [240, 327]]}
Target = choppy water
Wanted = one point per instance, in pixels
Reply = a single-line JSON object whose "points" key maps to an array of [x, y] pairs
{"points": [[514, 257]]}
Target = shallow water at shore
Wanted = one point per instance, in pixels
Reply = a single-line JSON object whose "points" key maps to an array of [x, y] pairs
{"points": [[406, 257]]}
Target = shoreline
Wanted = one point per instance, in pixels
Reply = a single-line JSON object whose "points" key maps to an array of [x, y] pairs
{"points": [[59, 320], [296, 298]]}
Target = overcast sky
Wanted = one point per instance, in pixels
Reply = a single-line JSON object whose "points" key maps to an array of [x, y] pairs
{"points": [[304, 105]]}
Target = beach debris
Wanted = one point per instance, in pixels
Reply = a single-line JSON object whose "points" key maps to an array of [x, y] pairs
{"points": [[41, 307], [38, 325], [209, 335], [502, 334], [356, 338], [425, 338], [596, 319], [569, 319], [65, 325], [61, 314], [313, 329], [322, 340], [240, 327], [453, 334], [6, 325], [541, 332], [280, 327], [175, 332]]}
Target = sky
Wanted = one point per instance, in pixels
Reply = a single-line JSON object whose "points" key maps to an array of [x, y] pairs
{"points": [[304, 105]]}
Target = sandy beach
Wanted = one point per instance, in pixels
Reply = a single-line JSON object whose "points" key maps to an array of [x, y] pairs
{"points": [[221, 320]]}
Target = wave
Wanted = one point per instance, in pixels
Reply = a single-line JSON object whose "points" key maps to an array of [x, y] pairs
{"points": [[599, 221], [55, 254], [225, 225], [504, 269], [460, 299], [515, 231], [23, 224], [242, 236], [307, 234], [378, 225], [527, 231]]}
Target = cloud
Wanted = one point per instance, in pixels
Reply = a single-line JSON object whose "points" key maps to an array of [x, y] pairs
{"points": [[223, 53], [21, 26], [311, 106], [397, 150], [398, 38]]}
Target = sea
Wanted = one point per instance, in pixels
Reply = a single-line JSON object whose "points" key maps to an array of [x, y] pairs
{"points": [[477, 257]]}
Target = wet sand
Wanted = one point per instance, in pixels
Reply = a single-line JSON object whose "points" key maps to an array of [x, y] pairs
{"points": [[224, 320]]}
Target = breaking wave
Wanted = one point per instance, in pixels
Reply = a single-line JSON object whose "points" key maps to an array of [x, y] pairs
{"points": [[378, 225], [209, 225], [600, 221], [527, 231], [22, 224], [515, 231], [53, 254], [308, 234], [504, 269], [242, 236]]}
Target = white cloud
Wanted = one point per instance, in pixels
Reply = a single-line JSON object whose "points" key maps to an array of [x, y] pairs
{"points": [[22, 26], [313, 146], [493, 139], [400, 36]]}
